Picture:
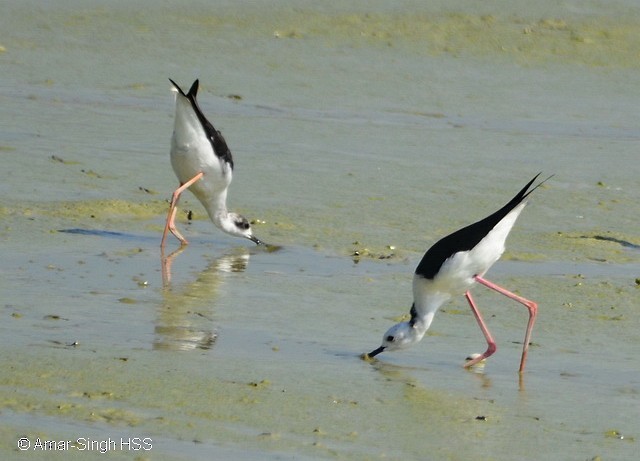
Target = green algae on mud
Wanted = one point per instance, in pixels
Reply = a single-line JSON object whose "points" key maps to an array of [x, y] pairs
{"points": [[293, 321], [115, 209], [150, 392], [593, 41], [596, 245], [88, 210]]}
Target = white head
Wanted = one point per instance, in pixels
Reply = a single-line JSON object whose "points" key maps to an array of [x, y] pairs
{"points": [[399, 336], [236, 225]]}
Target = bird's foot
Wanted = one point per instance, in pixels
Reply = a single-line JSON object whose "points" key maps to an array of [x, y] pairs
{"points": [[475, 360]]}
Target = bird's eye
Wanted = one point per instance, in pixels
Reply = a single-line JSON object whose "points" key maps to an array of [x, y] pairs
{"points": [[390, 338], [242, 224]]}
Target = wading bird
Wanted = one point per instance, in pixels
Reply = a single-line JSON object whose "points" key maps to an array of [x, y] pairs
{"points": [[204, 165], [451, 267]]}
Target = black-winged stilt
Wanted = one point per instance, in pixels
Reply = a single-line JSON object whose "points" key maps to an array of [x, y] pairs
{"points": [[451, 267], [204, 165]]}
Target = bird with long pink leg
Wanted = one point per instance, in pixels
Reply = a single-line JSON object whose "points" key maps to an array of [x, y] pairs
{"points": [[203, 164], [451, 267]]}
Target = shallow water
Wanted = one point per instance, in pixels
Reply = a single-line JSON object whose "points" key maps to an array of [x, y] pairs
{"points": [[367, 128]]}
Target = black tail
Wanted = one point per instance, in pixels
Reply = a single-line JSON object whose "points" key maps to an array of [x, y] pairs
{"points": [[525, 195], [193, 91], [215, 137], [468, 237]]}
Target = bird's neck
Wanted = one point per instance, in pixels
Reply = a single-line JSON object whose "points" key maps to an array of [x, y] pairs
{"points": [[426, 303], [216, 208], [422, 323]]}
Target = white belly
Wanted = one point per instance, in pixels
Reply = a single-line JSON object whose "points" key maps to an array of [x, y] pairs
{"points": [[195, 156]]}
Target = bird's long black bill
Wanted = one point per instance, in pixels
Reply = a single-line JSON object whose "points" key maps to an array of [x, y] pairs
{"points": [[256, 240], [372, 354]]}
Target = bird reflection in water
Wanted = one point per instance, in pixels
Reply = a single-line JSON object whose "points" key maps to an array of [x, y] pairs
{"points": [[184, 320]]}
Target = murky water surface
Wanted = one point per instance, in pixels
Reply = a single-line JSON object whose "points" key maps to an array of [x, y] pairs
{"points": [[366, 128]]}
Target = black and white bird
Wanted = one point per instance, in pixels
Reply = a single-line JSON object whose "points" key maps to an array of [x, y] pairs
{"points": [[451, 267], [203, 164]]}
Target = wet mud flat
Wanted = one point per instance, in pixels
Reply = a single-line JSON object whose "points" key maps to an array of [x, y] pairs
{"points": [[259, 350], [361, 134]]}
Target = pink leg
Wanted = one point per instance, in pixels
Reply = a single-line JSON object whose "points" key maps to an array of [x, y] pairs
{"points": [[491, 344], [171, 216], [531, 306]]}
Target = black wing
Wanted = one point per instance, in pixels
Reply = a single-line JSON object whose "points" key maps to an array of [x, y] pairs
{"points": [[467, 237], [216, 139]]}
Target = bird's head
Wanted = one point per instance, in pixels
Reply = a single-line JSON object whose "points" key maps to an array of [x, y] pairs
{"points": [[399, 336], [239, 226]]}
